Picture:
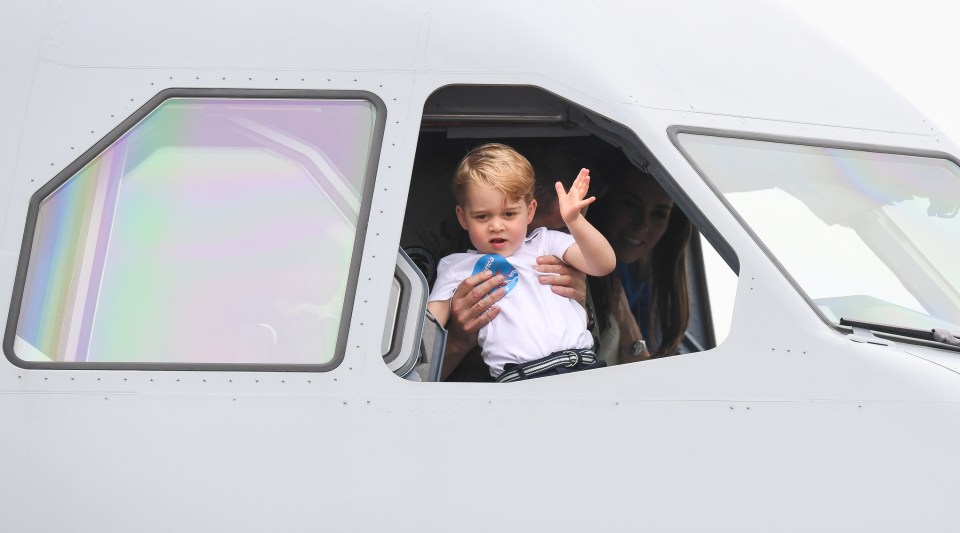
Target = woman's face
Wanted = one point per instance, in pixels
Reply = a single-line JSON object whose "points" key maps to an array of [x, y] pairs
{"points": [[639, 214]]}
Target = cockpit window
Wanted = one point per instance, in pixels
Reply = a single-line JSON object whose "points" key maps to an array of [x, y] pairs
{"points": [[213, 231], [868, 236], [675, 307]]}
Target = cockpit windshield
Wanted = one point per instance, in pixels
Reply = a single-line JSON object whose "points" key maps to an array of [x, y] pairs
{"points": [[866, 235]]}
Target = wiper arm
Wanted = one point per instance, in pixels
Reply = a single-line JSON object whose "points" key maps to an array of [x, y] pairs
{"points": [[936, 334]]}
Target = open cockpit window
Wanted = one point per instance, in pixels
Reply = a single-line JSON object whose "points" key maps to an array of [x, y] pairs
{"points": [[638, 208], [210, 228], [869, 237]]}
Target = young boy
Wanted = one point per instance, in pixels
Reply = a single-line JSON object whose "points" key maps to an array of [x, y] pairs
{"points": [[537, 332]]}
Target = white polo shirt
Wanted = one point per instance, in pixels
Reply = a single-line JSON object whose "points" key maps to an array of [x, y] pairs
{"points": [[533, 321]]}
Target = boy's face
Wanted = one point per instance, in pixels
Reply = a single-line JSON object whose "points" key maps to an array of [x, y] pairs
{"points": [[496, 225]]}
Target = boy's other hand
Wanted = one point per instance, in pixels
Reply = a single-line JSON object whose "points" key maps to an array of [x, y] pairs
{"points": [[568, 281]]}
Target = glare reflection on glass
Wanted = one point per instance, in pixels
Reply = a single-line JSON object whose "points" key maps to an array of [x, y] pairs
{"points": [[867, 235]]}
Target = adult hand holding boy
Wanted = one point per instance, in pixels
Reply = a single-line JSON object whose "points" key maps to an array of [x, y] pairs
{"points": [[472, 306]]}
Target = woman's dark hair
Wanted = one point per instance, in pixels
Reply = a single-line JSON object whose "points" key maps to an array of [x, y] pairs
{"points": [[669, 299]]}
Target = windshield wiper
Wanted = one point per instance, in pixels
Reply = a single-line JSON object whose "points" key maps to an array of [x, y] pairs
{"points": [[936, 334]]}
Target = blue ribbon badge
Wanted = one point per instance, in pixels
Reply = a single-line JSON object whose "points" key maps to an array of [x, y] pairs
{"points": [[498, 264]]}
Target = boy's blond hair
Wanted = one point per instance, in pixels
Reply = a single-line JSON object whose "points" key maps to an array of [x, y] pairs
{"points": [[498, 166]]}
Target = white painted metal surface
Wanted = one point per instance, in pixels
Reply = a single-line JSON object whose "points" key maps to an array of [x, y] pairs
{"points": [[786, 426]]}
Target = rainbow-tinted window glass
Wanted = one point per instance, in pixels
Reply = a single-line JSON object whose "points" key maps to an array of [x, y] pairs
{"points": [[213, 231]]}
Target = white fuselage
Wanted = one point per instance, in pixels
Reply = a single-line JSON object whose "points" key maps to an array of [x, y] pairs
{"points": [[786, 425]]}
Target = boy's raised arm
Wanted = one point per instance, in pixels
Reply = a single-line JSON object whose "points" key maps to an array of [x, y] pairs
{"points": [[592, 253]]}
